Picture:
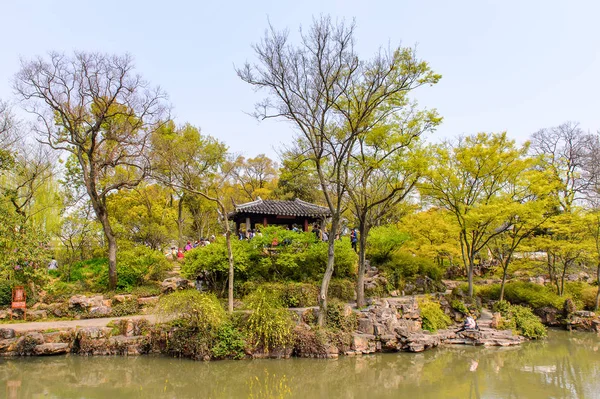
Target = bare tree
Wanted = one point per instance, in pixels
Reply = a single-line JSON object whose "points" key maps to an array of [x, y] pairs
{"points": [[8, 125], [566, 151], [95, 107], [332, 98]]}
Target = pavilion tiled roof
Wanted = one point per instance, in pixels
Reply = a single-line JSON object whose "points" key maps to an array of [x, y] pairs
{"points": [[296, 207]]}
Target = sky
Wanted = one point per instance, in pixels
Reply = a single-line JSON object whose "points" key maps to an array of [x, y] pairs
{"points": [[514, 66]]}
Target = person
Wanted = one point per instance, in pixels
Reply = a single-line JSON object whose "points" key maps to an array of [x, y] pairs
{"points": [[188, 246], [469, 324], [317, 231], [180, 253], [325, 236], [354, 239], [53, 265]]}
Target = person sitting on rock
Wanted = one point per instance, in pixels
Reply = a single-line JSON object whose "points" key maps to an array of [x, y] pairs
{"points": [[469, 324]]}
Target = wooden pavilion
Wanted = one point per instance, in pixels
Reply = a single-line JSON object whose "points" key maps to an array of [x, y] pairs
{"points": [[277, 212]]}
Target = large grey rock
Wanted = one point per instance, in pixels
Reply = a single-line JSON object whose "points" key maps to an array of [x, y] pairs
{"points": [[100, 311]]}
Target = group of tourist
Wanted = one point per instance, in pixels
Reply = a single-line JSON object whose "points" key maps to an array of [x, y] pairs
{"points": [[179, 253]]}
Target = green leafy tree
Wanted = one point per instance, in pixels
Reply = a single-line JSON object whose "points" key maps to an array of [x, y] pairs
{"points": [[470, 179]]}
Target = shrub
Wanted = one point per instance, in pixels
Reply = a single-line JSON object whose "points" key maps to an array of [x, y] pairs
{"points": [[521, 320], [60, 291], [146, 290], [531, 294], [229, 343], [403, 266], [339, 319], [269, 325], [198, 311], [588, 297], [342, 289], [383, 241], [125, 308], [290, 294], [433, 316], [459, 306]]}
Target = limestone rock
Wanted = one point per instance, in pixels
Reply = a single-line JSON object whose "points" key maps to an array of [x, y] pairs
{"points": [[175, 283], [6, 333], [148, 301], [51, 349], [122, 298], [99, 311], [37, 314]]}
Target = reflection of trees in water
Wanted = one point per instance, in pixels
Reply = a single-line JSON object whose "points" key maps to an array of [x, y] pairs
{"points": [[565, 366]]}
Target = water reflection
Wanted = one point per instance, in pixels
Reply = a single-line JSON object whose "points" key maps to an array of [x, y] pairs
{"points": [[567, 365]]}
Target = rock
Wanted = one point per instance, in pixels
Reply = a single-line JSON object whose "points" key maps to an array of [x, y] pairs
{"points": [[496, 319], [84, 302], [394, 293], [569, 307], [175, 283], [585, 313], [7, 345], [365, 325], [7, 333], [363, 343], [122, 298], [549, 315], [93, 332], [51, 349], [37, 314], [148, 301], [36, 337], [4, 314], [129, 328], [99, 311]]}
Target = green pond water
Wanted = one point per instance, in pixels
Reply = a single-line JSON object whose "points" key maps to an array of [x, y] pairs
{"points": [[566, 365]]}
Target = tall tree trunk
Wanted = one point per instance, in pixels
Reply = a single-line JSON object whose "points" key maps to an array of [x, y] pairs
{"points": [[328, 271], [180, 222], [112, 245], [229, 256], [504, 271], [562, 279], [470, 277], [360, 282], [598, 293], [112, 256]]}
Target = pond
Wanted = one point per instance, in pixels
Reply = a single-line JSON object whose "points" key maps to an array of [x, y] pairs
{"points": [[566, 365]]}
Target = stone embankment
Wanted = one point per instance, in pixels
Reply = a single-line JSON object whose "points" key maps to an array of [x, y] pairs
{"points": [[394, 324]]}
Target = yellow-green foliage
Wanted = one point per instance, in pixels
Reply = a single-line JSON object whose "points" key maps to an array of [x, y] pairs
{"points": [[270, 324], [521, 320], [433, 316], [199, 311]]}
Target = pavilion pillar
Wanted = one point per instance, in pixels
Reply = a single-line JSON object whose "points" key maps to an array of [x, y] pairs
{"points": [[248, 225], [305, 225], [265, 221], [237, 227]]}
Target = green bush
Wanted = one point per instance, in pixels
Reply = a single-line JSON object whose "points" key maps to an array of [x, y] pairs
{"points": [[59, 291], [199, 311], [531, 294], [229, 343], [383, 241], [521, 320], [146, 290], [459, 306], [125, 308], [290, 294], [433, 316], [338, 318], [342, 289], [5, 292], [402, 266], [270, 325]]}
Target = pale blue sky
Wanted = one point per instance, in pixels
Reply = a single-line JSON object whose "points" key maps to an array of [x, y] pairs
{"points": [[506, 65]]}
